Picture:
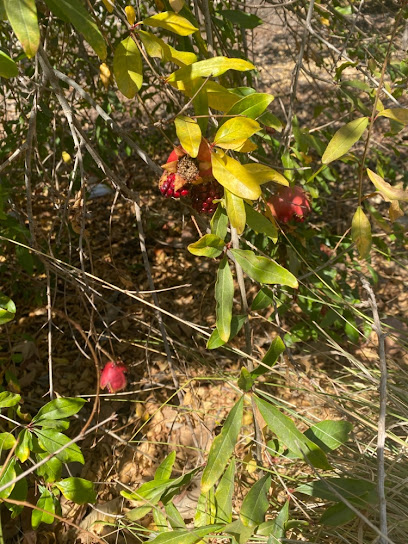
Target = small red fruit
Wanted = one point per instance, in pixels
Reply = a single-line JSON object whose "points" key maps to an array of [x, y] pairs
{"points": [[113, 376], [289, 203]]}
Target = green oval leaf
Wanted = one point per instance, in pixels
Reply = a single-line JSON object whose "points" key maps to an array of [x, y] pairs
{"points": [[232, 175], [46, 502], [51, 470], [74, 11], [329, 434], [23, 447], [77, 490], [269, 359], [260, 224], [127, 67], [7, 309], [288, 434], [223, 495], [241, 18], [388, 192], [172, 22], [163, 471], [189, 134], [214, 67], [263, 299], [222, 447], [256, 503], [8, 475], [8, 68], [236, 211], [361, 233], [234, 132], [251, 106], [51, 441], [185, 536], [237, 322], [7, 441], [59, 409], [157, 48], [22, 15], [262, 269], [8, 399], [344, 139], [219, 223], [210, 245], [224, 296]]}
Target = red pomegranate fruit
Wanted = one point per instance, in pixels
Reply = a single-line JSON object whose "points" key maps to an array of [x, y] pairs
{"points": [[113, 376], [289, 203]]}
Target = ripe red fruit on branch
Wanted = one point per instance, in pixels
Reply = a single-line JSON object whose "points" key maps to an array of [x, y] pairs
{"points": [[113, 376], [202, 196], [289, 203]]}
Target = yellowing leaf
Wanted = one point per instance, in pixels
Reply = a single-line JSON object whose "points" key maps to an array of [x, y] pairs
{"points": [[236, 211], [387, 191], [176, 5], [233, 176], [246, 147], [395, 211], [130, 15], [344, 139], [214, 67], [105, 75], [361, 233], [397, 114], [127, 67], [189, 134], [155, 47], [172, 22], [234, 132], [66, 157], [22, 15], [109, 5], [263, 173]]}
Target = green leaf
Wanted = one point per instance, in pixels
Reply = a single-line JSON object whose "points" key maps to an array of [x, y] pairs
{"points": [[8, 475], [185, 536], [276, 528], [77, 490], [22, 15], [256, 503], [344, 139], [23, 448], [7, 441], [236, 211], [8, 68], [262, 269], [172, 22], [224, 494], [8, 399], [263, 173], [205, 509], [163, 471], [51, 441], [219, 223], [222, 447], [397, 114], [232, 175], [336, 515], [215, 66], [157, 48], [251, 106], [270, 120], [46, 502], [138, 513], [19, 493], [361, 233], [210, 245], [51, 470], [237, 323], [127, 67], [239, 531], [74, 11], [260, 224], [241, 18], [3, 15], [329, 434], [189, 134], [57, 424], [270, 358], [388, 192], [233, 133], [263, 299], [245, 380], [7, 309], [359, 491], [286, 431], [174, 517], [59, 409], [224, 295]]}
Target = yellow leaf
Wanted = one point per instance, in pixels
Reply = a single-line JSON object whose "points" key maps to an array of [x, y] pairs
{"points": [[246, 147], [236, 211], [105, 75], [232, 175], [109, 5], [171, 21], [66, 157], [214, 67], [361, 233], [388, 192], [263, 173], [395, 211], [189, 134], [234, 132], [127, 67], [397, 114], [156, 47], [130, 15], [176, 5]]}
